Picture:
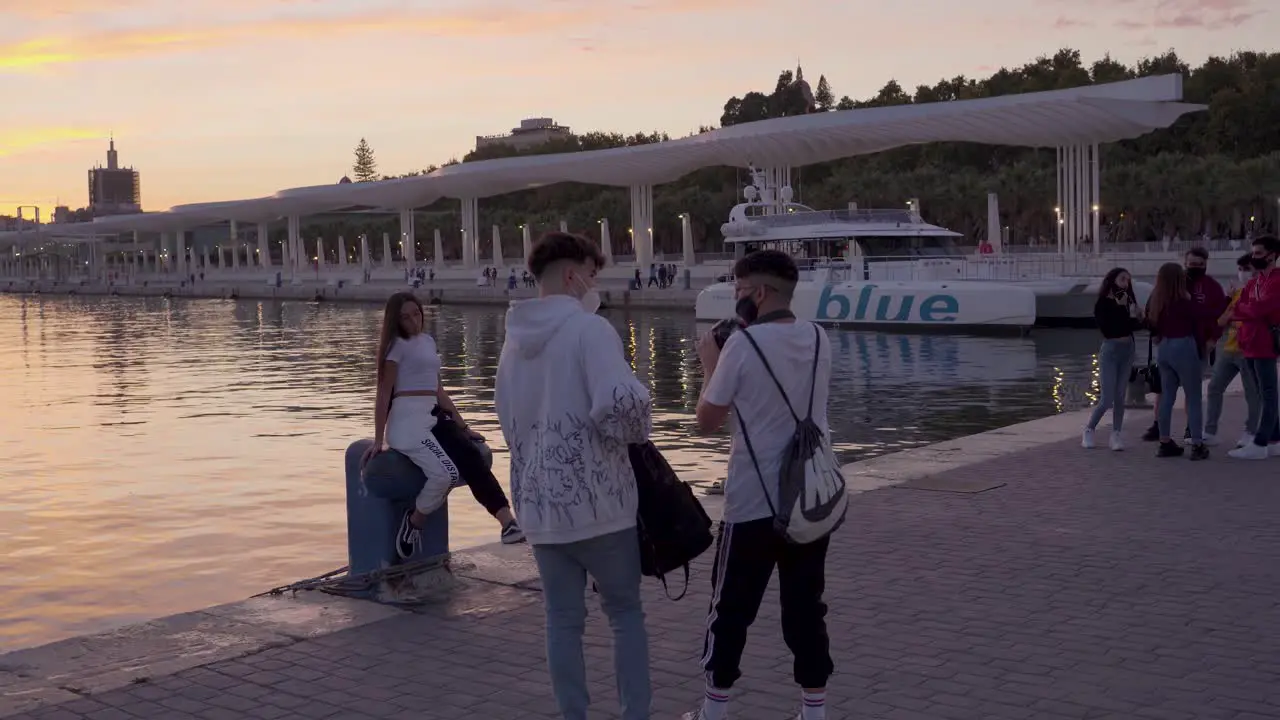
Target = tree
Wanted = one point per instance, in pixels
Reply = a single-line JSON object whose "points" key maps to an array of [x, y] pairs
{"points": [[365, 168], [823, 96]]}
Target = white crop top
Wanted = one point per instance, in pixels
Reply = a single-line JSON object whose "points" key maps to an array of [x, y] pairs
{"points": [[418, 363]]}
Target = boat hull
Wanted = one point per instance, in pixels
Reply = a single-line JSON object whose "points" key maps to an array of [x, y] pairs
{"points": [[891, 305]]}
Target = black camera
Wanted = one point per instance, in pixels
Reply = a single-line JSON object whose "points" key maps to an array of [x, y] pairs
{"points": [[721, 331]]}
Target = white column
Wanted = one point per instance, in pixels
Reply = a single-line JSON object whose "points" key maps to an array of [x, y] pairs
{"points": [[438, 259], [365, 261], [319, 253], [1057, 215], [526, 241], [993, 221], [386, 249], [205, 266], [342, 252], [564, 226], [497, 248], [409, 243], [642, 223], [470, 231], [234, 236], [1096, 207], [606, 242], [294, 243], [264, 251], [686, 233]]}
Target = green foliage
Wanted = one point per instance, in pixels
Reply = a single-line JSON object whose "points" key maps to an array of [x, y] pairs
{"points": [[365, 168], [1211, 171]]}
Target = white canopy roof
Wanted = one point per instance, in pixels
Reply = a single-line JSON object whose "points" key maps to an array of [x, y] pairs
{"points": [[1093, 114]]}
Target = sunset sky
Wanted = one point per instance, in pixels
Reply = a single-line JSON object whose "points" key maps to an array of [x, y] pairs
{"points": [[229, 99]]}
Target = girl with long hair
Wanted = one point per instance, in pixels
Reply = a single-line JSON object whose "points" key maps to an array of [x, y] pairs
{"points": [[1118, 315], [1176, 327], [415, 416]]}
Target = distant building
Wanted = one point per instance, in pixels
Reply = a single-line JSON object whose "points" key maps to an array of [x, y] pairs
{"points": [[114, 190], [531, 133], [62, 214]]}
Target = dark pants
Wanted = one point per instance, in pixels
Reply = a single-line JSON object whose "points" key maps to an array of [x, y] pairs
{"points": [[472, 468], [746, 554], [1264, 377]]}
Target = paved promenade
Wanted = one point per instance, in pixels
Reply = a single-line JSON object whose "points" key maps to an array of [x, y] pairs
{"points": [[1092, 584]]}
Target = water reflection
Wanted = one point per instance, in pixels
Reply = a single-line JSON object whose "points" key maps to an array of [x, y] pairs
{"points": [[162, 455]]}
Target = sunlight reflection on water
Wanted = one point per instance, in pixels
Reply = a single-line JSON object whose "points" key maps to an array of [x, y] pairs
{"points": [[166, 455]]}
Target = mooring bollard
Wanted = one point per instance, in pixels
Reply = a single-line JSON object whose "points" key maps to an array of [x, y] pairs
{"points": [[373, 519]]}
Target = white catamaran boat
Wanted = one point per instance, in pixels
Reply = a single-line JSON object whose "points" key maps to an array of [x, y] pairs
{"points": [[888, 269]]}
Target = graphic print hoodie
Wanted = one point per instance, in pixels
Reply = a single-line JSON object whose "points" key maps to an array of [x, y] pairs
{"points": [[569, 404]]}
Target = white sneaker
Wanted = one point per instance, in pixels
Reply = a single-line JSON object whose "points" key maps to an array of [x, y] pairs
{"points": [[1086, 439], [1116, 443], [1249, 452], [1245, 439], [1211, 440], [1273, 450]]}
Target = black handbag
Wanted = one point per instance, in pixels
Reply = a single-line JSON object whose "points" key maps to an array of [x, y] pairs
{"points": [[1150, 374]]}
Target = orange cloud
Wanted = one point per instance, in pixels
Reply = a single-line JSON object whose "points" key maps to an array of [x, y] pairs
{"points": [[16, 140], [475, 21]]}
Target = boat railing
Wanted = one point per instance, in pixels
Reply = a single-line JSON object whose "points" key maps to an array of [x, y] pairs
{"points": [[819, 217], [1013, 267]]}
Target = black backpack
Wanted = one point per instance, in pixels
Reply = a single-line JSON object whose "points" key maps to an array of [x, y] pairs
{"points": [[673, 527]]}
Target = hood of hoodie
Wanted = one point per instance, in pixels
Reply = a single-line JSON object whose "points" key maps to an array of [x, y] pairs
{"points": [[532, 323]]}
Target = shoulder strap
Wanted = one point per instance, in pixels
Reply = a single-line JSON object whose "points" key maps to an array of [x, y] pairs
{"points": [[772, 376], [751, 451], [813, 379]]}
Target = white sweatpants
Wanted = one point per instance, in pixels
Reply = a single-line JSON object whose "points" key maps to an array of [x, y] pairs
{"points": [[409, 426]]}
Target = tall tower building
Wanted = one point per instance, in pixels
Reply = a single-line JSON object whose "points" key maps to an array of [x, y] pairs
{"points": [[114, 190]]}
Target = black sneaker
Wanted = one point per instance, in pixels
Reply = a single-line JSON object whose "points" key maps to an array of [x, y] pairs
{"points": [[408, 539], [1152, 434], [1199, 452], [512, 534], [1169, 448]]}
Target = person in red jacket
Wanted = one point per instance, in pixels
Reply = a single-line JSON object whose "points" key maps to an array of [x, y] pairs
{"points": [[1258, 312]]}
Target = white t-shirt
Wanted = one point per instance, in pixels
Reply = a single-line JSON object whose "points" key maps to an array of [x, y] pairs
{"points": [[418, 363], [741, 380]]}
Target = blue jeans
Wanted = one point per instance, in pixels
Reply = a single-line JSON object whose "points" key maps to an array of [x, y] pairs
{"points": [[1115, 360], [1264, 375], [613, 561], [1179, 363], [1224, 371]]}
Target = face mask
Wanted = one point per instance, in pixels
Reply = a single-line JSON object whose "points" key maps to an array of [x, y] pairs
{"points": [[1195, 273], [747, 310], [1244, 275], [1260, 263]]}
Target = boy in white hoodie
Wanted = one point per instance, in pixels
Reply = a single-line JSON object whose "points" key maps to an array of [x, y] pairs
{"points": [[569, 405]]}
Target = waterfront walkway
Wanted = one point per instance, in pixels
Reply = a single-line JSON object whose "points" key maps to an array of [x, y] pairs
{"points": [[1090, 585]]}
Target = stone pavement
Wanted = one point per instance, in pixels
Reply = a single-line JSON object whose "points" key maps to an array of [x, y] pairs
{"points": [[1092, 584]]}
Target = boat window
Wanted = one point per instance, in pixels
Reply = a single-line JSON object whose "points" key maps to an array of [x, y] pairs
{"points": [[805, 248], [915, 246]]}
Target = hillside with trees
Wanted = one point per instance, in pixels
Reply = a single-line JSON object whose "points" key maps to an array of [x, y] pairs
{"points": [[1216, 171]]}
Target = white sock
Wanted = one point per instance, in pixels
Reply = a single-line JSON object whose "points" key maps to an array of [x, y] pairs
{"points": [[715, 704], [813, 706]]}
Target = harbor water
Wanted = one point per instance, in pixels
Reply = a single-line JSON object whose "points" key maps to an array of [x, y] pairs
{"points": [[162, 455]]}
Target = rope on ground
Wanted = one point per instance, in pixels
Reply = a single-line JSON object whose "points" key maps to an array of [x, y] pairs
{"points": [[341, 582]]}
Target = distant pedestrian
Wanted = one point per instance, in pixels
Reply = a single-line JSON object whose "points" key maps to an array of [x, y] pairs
{"points": [[1118, 315]]}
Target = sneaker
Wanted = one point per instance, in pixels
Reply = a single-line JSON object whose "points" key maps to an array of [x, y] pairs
{"points": [[409, 538], [1152, 434], [1249, 452], [1273, 450], [1116, 443], [1211, 440], [1086, 439], [1186, 436], [1245, 439], [1199, 452], [1169, 448], [693, 715], [512, 534]]}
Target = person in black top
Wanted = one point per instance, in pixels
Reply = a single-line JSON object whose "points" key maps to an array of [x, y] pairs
{"points": [[1118, 315]]}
